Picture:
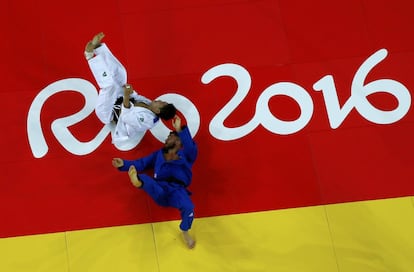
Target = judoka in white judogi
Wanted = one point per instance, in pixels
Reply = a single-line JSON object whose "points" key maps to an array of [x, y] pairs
{"points": [[136, 117]]}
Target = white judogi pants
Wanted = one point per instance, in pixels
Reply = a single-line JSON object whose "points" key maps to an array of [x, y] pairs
{"points": [[111, 76]]}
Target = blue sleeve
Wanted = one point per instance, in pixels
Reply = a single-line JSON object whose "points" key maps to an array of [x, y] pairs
{"points": [[190, 147], [140, 164]]}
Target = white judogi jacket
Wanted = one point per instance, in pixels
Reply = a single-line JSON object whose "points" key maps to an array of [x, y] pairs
{"points": [[133, 122], [111, 76]]}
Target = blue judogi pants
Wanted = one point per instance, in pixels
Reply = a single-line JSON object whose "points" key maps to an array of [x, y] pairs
{"points": [[169, 194]]}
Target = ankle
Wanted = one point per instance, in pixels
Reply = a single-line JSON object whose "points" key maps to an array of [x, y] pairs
{"points": [[136, 181], [88, 55]]}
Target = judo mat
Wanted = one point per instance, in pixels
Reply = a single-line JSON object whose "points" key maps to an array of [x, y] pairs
{"points": [[360, 236], [301, 112]]}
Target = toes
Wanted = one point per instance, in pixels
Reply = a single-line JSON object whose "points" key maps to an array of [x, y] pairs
{"points": [[97, 39], [191, 244]]}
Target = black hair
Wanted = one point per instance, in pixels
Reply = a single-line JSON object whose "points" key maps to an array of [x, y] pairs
{"points": [[167, 112]]}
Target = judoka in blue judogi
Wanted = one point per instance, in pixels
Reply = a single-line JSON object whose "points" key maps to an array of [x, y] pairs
{"points": [[172, 167]]}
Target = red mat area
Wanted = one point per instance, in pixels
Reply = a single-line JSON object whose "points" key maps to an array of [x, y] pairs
{"points": [[167, 47]]}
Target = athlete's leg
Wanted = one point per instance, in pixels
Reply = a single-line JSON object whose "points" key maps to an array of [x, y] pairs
{"points": [[149, 185], [181, 200], [106, 69], [110, 75]]}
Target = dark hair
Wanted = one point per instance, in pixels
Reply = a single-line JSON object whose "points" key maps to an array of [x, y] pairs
{"points": [[173, 132], [167, 112]]}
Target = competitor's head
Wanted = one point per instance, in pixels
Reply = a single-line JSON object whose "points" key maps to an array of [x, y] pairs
{"points": [[172, 141], [163, 109]]}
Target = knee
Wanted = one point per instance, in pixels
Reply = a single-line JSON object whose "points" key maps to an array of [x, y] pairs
{"points": [[187, 207]]}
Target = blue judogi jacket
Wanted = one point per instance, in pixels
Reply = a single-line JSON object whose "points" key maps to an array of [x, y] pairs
{"points": [[175, 171]]}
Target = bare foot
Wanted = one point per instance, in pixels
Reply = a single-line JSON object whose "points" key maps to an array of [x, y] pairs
{"points": [[95, 43], [132, 173], [188, 240]]}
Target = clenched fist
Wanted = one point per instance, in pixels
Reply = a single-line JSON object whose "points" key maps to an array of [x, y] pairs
{"points": [[117, 162]]}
